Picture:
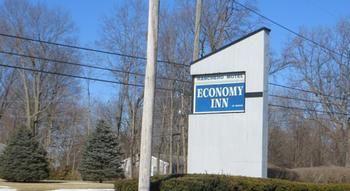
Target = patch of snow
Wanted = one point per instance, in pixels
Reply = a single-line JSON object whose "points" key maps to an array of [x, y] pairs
{"points": [[6, 188], [82, 190]]}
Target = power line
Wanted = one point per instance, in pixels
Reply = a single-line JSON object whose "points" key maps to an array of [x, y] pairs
{"points": [[88, 49], [271, 95], [305, 109], [290, 30], [140, 74], [79, 77], [85, 65], [306, 91], [295, 98]]}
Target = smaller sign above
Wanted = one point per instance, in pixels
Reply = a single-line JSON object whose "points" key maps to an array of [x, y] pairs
{"points": [[219, 93]]}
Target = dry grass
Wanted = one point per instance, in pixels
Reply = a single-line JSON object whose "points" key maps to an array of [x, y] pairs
{"points": [[52, 185], [329, 174], [322, 174], [281, 173]]}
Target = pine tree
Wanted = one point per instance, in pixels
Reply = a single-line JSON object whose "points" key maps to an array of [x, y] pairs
{"points": [[24, 159], [101, 158]]}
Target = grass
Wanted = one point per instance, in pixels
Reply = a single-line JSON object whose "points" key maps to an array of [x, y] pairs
{"points": [[52, 185]]}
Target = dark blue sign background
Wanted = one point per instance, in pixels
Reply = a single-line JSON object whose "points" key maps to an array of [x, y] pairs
{"points": [[235, 103]]}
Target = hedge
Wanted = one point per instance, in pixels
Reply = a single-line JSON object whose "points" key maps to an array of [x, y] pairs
{"points": [[226, 183]]}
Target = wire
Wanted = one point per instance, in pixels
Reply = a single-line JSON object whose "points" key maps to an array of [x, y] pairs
{"points": [[306, 91], [290, 30], [305, 109], [85, 65], [294, 98], [79, 77], [140, 74], [298, 99], [169, 62], [88, 49]]}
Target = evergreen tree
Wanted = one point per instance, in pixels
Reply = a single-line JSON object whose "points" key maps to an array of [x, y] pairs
{"points": [[101, 158], [24, 159]]}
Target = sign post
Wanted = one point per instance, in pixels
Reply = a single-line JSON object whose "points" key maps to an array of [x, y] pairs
{"points": [[228, 128]]}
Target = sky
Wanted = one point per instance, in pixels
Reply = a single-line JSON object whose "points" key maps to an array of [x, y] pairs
{"points": [[294, 14]]}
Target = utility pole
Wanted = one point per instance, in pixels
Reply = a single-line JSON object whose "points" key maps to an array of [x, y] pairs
{"points": [[148, 103], [197, 30]]}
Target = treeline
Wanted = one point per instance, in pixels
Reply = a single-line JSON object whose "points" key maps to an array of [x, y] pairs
{"points": [[61, 113], [313, 128]]}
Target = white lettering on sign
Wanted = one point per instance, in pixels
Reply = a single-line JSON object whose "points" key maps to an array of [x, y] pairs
{"points": [[219, 102], [220, 92]]}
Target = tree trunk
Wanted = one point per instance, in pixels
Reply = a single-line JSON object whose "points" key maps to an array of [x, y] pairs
{"points": [[89, 108], [158, 163], [178, 157], [132, 146], [37, 95], [27, 101], [171, 133], [73, 163], [347, 154], [183, 135], [161, 144]]}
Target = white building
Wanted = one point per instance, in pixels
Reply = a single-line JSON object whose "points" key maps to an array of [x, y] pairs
{"points": [[2, 147], [163, 166]]}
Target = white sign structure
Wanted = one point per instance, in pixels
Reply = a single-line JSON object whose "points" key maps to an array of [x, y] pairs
{"points": [[228, 128]]}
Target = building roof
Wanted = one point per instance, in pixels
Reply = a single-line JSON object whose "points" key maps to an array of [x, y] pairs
{"points": [[2, 147], [232, 43], [153, 157]]}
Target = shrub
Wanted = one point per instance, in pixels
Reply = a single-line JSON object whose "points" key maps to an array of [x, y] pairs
{"points": [[24, 159], [225, 183]]}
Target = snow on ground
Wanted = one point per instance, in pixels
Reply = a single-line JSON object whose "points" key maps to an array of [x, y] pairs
{"points": [[82, 190], [6, 188]]}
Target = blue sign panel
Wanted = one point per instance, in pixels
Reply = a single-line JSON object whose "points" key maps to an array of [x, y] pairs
{"points": [[219, 93]]}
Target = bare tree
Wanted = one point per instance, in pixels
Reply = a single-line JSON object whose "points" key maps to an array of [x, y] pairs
{"points": [[125, 32], [45, 103], [39, 90], [224, 21], [325, 73]]}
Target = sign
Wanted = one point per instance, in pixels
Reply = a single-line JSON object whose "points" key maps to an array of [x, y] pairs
{"points": [[219, 93], [230, 105]]}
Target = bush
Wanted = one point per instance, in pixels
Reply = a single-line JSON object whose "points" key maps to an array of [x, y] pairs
{"points": [[226, 183], [24, 159]]}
